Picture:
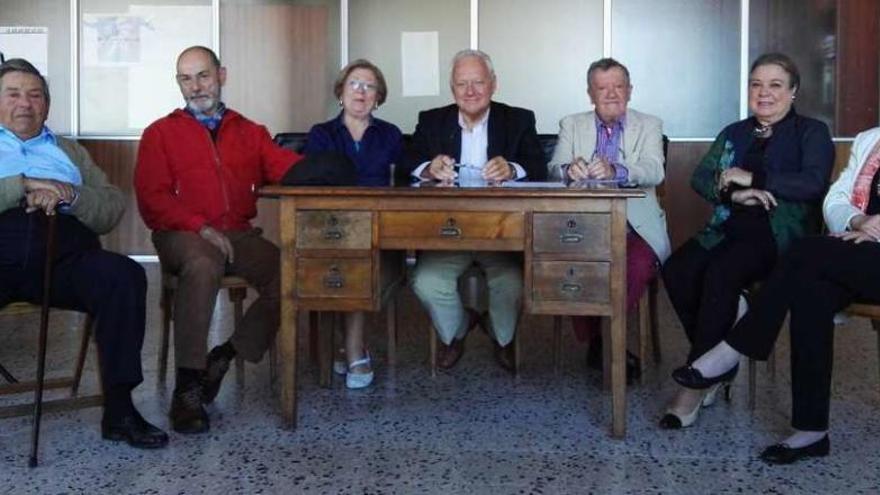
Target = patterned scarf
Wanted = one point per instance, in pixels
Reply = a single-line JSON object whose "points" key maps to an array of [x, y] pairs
{"points": [[862, 187]]}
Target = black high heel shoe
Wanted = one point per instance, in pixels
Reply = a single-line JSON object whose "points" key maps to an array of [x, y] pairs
{"points": [[690, 377]]}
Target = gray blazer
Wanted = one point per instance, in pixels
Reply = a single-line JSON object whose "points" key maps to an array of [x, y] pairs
{"points": [[642, 154]]}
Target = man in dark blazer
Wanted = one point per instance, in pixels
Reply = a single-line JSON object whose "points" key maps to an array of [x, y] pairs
{"points": [[473, 140]]}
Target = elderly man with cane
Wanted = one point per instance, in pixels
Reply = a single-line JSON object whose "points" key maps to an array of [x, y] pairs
{"points": [[43, 173]]}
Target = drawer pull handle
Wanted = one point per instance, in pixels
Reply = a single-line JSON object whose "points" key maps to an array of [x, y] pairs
{"points": [[334, 279], [571, 288], [333, 234], [571, 238], [450, 230]]}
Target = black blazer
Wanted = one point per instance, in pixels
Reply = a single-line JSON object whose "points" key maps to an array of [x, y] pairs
{"points": [[511, 130]]}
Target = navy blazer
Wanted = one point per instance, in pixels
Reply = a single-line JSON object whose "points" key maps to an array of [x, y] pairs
{"points": [[511, 131]]}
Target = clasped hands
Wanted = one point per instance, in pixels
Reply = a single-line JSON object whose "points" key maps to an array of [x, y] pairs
{"points": [[46, 194], [596, 169], [748, 196], [442, 168]]}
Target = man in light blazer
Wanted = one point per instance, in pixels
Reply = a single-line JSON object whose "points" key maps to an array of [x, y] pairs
{"points": [[473, 139], [616, 143]]}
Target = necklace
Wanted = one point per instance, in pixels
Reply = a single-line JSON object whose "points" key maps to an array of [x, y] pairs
{"points": [[762, 131]]}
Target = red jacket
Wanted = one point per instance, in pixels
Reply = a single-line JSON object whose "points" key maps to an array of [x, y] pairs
{"points": [[184, 180]]}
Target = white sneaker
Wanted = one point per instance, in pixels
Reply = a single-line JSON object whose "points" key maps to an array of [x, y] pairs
{"points": [[359, 380]]}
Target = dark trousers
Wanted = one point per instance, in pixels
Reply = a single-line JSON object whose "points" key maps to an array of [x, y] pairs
{"points": [[200, 267], [704, 285], [110, 287], [816, 279]]}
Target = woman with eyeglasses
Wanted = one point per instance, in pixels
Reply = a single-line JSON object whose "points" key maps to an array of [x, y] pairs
{"points": [[764, 178], [373, 145]]}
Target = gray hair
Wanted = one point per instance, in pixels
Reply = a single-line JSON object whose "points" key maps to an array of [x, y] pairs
{"points": [[463, 54], [22, 65], [605, 64]]}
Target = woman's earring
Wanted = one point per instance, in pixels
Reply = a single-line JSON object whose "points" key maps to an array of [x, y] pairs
{"points": [[340, 102]]}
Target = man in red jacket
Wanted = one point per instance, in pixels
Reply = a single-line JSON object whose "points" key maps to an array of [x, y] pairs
{"points": [[197, 175]]}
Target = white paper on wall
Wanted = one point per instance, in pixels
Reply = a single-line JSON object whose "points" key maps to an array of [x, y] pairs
{"points": [[27, 42], [419, 54]]}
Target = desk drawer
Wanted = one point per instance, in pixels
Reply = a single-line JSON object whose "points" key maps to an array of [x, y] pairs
{"points": [[586, 235], [331, 229], [571, 282], [323, 277], [451, 225]]}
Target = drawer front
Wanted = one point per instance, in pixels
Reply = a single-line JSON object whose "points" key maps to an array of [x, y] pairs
{"points": [[452, 225], [331, 229], [571, 282], [323, 277], [581, 234]]}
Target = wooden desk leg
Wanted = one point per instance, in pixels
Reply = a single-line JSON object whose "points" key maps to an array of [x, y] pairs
{"points": [[618, 319], [618, 375], [288, 316], [288, 371]]}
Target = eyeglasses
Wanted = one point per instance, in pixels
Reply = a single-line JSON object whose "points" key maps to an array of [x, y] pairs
{"points": [[358, 85]]}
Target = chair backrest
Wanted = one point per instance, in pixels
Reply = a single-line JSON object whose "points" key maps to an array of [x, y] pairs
{"points": [[841, 159], [294, 141]]}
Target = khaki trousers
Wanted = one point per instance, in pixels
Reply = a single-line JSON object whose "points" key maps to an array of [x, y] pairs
{"points": [[435, 282]]}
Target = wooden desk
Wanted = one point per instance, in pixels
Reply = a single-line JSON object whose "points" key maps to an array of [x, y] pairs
{"points": [[573, 240]]}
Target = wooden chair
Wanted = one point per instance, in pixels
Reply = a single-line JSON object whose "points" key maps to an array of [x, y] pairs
{"points": [[14, 386], [237, 288]]}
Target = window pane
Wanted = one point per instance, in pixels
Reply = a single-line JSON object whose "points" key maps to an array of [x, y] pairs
{"points": [[282, 58], [542, 66], [683, 57], [54, 15], [127, 60], [827, 40], [375, 33]]}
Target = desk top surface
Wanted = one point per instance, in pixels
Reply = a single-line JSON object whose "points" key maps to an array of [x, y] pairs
{"points": [[522, 190]]}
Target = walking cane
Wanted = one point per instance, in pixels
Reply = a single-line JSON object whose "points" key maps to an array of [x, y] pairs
{"points": [[44, 329]]}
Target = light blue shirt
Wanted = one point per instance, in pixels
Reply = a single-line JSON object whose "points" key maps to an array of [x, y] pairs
{"points": [[38, 158]]}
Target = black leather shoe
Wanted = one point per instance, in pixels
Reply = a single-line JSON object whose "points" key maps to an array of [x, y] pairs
{"points": [[690, 377], [448, 355], [783, 454], [134, 430], [215, 369], [594, 361], [505, 357], [187, 413]]}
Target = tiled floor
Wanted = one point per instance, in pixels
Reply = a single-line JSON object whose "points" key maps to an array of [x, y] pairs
{"points": [[472, 430]]}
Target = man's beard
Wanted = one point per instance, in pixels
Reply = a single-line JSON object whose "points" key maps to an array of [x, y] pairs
{"points": [[202, 104]]}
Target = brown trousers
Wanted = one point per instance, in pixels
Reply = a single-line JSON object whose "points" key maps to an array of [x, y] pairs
{"points": [[200, 267]]}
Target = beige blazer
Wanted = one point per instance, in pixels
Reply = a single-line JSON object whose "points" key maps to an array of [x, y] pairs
{"points": [[642, 154]]}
